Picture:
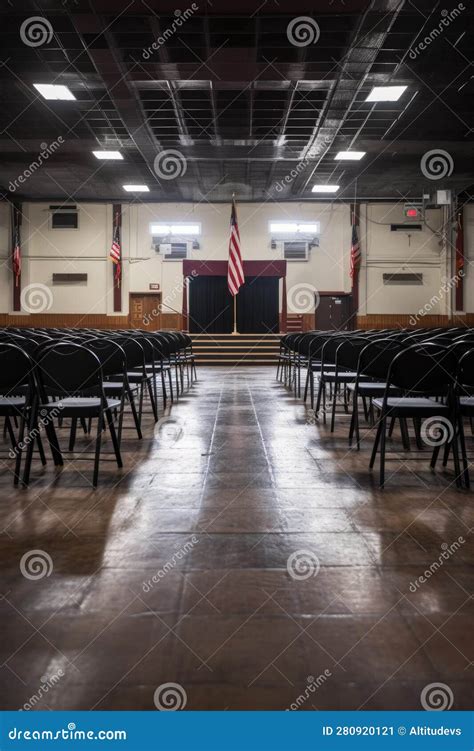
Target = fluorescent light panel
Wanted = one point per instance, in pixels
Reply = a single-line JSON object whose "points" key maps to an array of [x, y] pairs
{"points": [[386, 93], [52, 91], [295, 227], [107, 154], [325, 188], [350, 156], [136, 188]]}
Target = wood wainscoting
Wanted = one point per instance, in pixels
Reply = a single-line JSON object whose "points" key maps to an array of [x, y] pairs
{"points": [[82, 321]]}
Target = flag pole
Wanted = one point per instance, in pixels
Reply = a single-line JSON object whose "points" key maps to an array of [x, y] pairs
{"points": [[235, 316]]}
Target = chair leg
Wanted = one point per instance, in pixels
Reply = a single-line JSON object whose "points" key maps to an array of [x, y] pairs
{"points": [[137, 422], [72, 435], [465, 463], [140, 402], [7, 428], [41, 449], [306, 385], [54, 444], [113, 436], [417, 426], [170, 379], [163, 388], [121, 415], [152, 399], [375, 446], [320, 391], [19, 450], [333, 409], [405, 434], [100, 425], [324, 399], [382, 453]]}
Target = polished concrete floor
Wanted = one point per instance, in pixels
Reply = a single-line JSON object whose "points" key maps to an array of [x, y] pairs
{"points": [[243, 554]]}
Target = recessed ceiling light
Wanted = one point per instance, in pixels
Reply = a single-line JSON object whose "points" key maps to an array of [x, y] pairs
{"points": [[107, 154], [350, 156], [136, 188], [325, 188], [386, 93], [52, 91]]}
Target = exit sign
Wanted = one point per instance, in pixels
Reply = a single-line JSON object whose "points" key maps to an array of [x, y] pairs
{"points": [[154, 286]]}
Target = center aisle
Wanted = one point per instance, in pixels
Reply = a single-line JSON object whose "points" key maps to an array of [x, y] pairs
{"points": [[244, 560]]}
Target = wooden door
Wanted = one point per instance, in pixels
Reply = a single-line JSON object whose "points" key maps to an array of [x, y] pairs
{"points": [[145, 312], [333, 313]]}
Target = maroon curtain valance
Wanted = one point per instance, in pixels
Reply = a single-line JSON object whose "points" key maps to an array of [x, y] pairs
{"points": [[219, 268]]}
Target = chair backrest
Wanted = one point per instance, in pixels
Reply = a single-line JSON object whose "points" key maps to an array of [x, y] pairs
{"points": [[424, 368], [16, 369], [465, 372], [68, 369], [348, 352], [376, 357], [329, 348], [133, 349], [110, 353]]}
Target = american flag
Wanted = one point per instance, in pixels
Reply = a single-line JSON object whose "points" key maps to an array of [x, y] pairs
{"points": [[235, 270], [115, 252], [16, 258], [355, 251]]}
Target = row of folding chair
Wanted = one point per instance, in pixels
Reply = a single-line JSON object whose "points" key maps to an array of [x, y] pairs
{"points": [[48, 375], [397, 374]]}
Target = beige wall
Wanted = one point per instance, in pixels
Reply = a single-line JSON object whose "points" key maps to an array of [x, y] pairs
{"points": [[86, 250]]}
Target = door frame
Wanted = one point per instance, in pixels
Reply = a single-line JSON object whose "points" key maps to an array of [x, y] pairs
{"points": [[131, 295]]}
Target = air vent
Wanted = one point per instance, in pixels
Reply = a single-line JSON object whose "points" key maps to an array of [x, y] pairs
{"points": [[406, 227], [295, 251], [64, 217], [174, 251], [69, 278], [406, 279]]}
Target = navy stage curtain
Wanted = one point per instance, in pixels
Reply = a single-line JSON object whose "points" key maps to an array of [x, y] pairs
{"points": [[210, 306], [257, 305]]}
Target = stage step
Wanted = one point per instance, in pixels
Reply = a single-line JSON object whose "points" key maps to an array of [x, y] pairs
{"points": [[236, 349]]}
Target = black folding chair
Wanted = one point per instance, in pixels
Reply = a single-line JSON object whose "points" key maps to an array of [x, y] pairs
{"points": [[17, 399], [73, 374], [420, 371]]}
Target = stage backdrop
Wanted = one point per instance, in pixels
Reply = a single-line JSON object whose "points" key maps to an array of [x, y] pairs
{"points": [[211, 304]]}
